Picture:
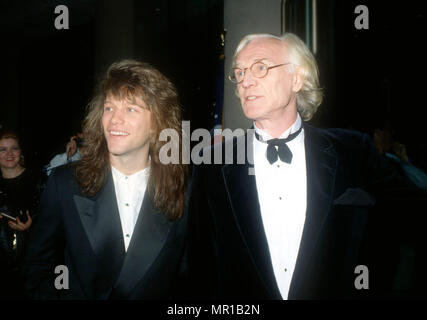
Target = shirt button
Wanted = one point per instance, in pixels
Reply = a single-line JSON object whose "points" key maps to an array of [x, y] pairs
{"points": [[286, 270], [280, 198], [127, 235], [127, 204], [278, 165]]}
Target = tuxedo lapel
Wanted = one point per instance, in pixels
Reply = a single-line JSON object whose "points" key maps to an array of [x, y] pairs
{"points": [[321, 163], [243, 196], [149, 236], [101, 222]]}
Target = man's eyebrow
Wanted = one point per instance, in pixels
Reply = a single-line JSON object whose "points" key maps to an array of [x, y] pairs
{"points": [[135, 104], [131, 103], [256, 60], [264, 60]]}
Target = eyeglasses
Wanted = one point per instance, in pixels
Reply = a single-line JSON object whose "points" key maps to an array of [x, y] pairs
{"points": [[258, 69]]}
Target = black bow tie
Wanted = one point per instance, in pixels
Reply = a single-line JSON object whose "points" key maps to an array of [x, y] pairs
{"points": [[283, 152]]}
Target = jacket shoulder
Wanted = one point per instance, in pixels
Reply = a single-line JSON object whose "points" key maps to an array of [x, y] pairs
{"points": [[341, 139], [339, 135], [63, 177], [62, 172]]}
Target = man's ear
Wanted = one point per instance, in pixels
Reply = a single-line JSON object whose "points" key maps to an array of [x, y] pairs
{"points": [[297, 79]]}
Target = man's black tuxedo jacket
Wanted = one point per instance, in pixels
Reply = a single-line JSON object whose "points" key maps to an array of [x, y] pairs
{"points": [[85, 235], [228, 252]]}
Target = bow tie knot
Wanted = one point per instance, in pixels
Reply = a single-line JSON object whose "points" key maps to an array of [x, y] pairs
{"points": [[283, 152]]}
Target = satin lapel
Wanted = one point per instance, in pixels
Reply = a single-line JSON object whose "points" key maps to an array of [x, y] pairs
{"points": [[149, 236], [101, 222], [243, 196], [321, 162]]}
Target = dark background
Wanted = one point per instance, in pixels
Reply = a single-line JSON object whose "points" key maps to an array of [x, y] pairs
{"points": [[371, 77], [49, 75]]}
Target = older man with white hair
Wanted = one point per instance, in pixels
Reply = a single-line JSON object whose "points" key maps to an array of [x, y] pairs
{"points": [[296, 228]]}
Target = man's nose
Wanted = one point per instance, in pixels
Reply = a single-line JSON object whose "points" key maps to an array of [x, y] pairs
{"points": [[248, 79], [117, 117]]}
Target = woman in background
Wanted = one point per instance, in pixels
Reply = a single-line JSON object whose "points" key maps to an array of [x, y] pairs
{"points": [[19, 198]]}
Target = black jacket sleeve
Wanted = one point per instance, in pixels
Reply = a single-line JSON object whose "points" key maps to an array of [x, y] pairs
{"points": [[45, 246]]}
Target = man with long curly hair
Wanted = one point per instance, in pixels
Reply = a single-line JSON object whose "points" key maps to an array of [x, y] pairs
{"points": [[115, 219]]}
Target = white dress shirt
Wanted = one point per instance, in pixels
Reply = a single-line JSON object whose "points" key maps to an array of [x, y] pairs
{"points": [[130, 191], [282, 195]]}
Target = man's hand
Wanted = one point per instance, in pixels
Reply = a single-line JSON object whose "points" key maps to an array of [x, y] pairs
{"points": [[71, 147], [400, 150], [19, 226]]}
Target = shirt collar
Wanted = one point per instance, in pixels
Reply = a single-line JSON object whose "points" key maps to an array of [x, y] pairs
{"points": [[120, 176], [295, 127]]}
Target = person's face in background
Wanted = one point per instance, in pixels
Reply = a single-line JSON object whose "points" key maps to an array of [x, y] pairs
{"points": [[10, 153]]}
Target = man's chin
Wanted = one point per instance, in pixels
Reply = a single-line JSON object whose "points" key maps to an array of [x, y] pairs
{"points": [[251, 114], [116, 152]]}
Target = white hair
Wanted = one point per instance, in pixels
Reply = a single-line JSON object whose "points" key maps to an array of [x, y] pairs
{"points": [[310, 96]]}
